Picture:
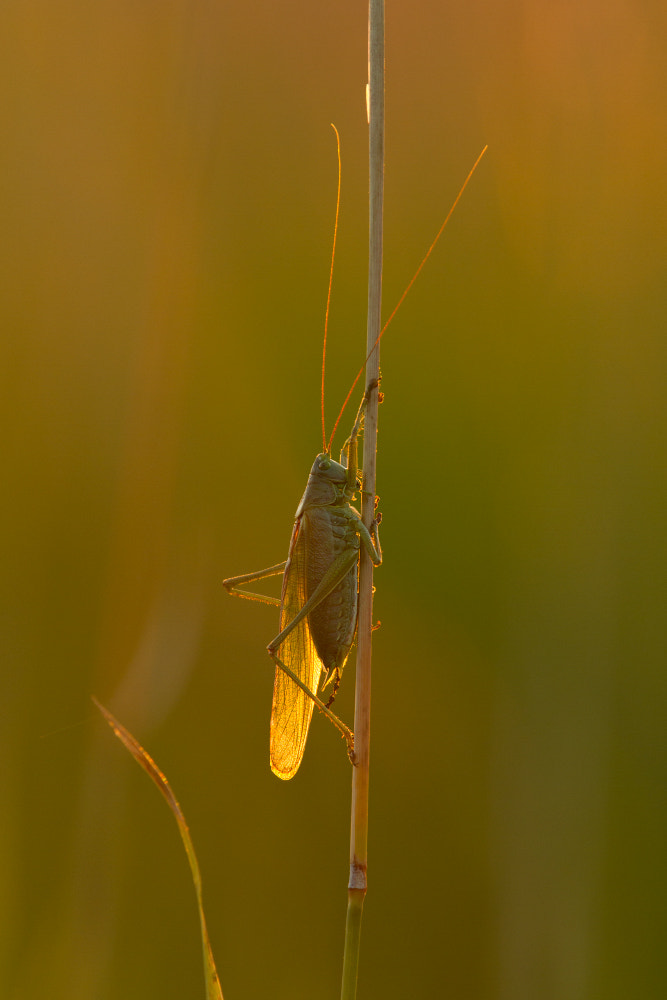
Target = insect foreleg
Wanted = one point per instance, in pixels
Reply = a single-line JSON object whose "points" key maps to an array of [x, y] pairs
{"points": [[373, 548], [348, 455], [233, 584]]}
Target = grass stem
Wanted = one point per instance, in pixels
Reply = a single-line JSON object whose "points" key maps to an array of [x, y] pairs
{"points": [[360, 775]]}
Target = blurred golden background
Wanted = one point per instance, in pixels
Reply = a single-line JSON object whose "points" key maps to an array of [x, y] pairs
{"points": [[167, 194]]}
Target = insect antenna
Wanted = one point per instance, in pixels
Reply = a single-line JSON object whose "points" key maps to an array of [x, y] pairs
{"points": [[400, 302], [326, 315]]}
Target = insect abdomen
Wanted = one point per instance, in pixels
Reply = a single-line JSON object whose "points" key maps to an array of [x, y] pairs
{"points": [[333, 622]]}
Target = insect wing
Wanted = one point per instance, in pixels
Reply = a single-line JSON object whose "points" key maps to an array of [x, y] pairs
{"points": [[292, 709]]}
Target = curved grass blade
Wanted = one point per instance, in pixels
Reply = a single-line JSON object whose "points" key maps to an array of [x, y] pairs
{"points": [[213, 988]]}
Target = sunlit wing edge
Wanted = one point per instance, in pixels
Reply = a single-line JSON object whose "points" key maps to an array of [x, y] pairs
{"points": [[292, 709]]}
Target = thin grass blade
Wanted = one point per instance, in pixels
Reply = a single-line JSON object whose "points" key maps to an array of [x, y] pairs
{"points": [[213, 988]]}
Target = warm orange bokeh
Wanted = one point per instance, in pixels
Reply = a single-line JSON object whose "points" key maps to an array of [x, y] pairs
{"points": [[167, 198]]}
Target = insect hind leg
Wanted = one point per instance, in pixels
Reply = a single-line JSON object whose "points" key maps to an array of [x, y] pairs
{"points": [[344, 731]]}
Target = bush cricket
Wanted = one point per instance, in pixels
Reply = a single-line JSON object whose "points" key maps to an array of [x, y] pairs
{"points": [[318, 603]]}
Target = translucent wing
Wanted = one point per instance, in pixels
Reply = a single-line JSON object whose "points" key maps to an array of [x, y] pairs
{"points": [[292, 709]]}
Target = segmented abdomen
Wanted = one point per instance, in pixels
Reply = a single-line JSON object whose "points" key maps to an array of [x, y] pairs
{"points": [[333, 622]]}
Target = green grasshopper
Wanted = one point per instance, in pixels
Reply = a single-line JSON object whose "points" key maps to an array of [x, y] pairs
{"points": [[318, 604]]}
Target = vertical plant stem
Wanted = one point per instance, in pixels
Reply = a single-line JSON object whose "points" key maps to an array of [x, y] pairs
{"points": [[360, 772]]}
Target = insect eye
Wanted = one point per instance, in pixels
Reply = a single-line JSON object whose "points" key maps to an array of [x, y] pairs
{"points": [[325, 463]]}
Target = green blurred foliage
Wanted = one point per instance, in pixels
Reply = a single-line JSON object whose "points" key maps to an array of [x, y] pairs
{"points": [[167, 192]]}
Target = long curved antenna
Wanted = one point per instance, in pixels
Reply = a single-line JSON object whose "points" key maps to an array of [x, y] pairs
{"points": [[326, 316], [400, 301]]}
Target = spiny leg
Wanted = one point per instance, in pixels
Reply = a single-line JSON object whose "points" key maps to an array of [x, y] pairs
{"points": [[345, 732]]}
